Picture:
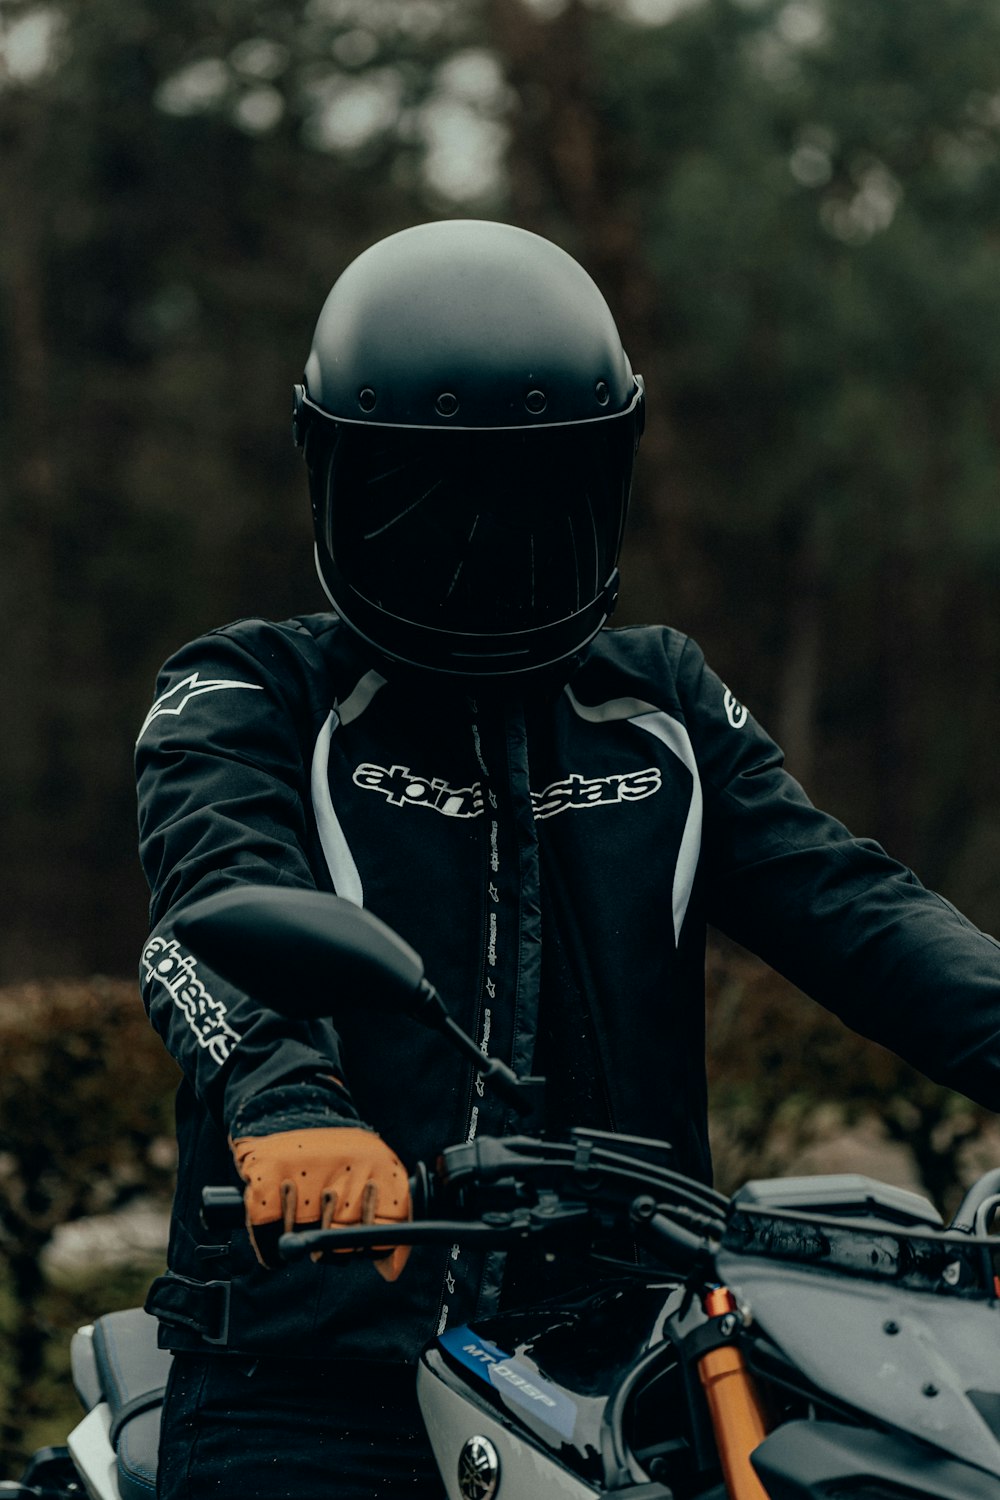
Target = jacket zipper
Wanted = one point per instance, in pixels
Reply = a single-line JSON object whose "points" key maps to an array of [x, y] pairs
{"points": [[487, 993]]}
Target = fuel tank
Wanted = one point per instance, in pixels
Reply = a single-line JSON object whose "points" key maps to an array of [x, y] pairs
{"points": [[568, 1393]]}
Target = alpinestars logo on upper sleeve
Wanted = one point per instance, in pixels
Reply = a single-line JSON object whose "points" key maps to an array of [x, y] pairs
{"points": [[166, 963], [736, 713], [177, 698]]}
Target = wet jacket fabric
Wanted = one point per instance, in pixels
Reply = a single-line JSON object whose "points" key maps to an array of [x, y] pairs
{"points": [[555, 861]]}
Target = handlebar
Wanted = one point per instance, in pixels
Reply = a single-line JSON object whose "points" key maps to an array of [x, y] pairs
{"points": [[222, 1208], [593, 1191], [498, 1192]]}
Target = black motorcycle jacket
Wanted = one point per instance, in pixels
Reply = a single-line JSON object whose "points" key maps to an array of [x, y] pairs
{"points": [[555, 860]]}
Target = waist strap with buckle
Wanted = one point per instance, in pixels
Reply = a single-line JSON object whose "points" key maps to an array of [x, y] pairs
{"points": [[202, 1306]]}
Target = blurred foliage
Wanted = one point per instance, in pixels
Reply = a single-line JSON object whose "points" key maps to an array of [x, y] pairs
{"points": [[793, 1090], [792, 206], [86, 1127], [180, 188], [818, 191], [64, 1305]]}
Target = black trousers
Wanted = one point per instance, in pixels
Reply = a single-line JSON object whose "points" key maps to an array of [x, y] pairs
{"points": [[239, 1429]]}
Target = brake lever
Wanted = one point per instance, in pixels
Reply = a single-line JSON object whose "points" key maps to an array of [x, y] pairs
{"points": [[494, 1230]]}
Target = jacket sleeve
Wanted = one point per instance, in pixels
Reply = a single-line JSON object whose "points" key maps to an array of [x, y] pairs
{"points": [[835, 914], [223, 787]]}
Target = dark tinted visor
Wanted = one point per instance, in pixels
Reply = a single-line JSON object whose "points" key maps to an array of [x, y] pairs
{"points": [[477, 532]]}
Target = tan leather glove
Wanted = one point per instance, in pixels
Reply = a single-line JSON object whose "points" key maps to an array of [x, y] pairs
{"points": [[321, 1177]]}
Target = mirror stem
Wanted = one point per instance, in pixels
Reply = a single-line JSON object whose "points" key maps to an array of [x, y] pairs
{"points": [[523, 1093]]}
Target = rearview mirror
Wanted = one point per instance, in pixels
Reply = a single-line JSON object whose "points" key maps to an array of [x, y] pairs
{"points": [[296, 949]]}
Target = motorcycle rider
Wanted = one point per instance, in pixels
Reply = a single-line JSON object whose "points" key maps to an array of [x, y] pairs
{"points": [[549, 810]]}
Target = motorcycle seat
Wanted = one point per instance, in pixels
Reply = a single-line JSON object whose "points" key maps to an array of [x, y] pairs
{"points": [[132, 1374]]}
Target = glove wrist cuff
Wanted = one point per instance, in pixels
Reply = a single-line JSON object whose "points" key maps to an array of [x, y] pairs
{"points": [[300, 1106]]}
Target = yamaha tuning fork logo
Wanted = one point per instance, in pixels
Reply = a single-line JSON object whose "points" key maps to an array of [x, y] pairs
{"points": [[478, 1469]]}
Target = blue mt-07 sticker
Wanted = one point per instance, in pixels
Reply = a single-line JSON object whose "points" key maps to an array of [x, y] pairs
{"points": [[513, 1379]]}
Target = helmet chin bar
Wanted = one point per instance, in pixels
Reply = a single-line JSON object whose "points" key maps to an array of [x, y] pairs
{"points": [[453, 654]]}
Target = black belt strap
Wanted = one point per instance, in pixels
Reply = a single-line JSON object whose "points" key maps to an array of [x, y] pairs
{"points": [[184, 1303]]}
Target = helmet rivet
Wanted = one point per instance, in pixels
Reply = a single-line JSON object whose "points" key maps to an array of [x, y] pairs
{"points": [[366, 399], [447, 404], [601, 392], [536, 401]]}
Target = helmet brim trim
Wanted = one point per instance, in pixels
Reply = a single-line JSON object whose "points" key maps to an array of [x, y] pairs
{"points": [[305, 403]]}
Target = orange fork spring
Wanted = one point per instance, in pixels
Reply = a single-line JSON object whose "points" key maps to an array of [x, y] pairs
{"points": [[734, 1407]]}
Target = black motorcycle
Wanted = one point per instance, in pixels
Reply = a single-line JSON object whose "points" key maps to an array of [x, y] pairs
{"points": [[814, 1338]]}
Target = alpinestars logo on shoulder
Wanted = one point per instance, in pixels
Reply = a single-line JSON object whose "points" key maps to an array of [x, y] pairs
{"points": [[176, 699]]}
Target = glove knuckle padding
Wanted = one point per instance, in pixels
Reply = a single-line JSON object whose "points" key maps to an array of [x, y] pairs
{"points": [[329, 1176]]}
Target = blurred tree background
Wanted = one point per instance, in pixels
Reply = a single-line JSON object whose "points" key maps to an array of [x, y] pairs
{"points": [[793, 207]]}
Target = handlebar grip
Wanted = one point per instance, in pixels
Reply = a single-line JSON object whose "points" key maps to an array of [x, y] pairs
{"points": [[222, 1208]]}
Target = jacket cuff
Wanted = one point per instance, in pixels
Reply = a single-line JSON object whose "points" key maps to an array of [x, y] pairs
{"points": [[295, 1106]]}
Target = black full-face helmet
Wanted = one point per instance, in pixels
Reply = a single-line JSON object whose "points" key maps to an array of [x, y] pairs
{"points": [[469, 420]]}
